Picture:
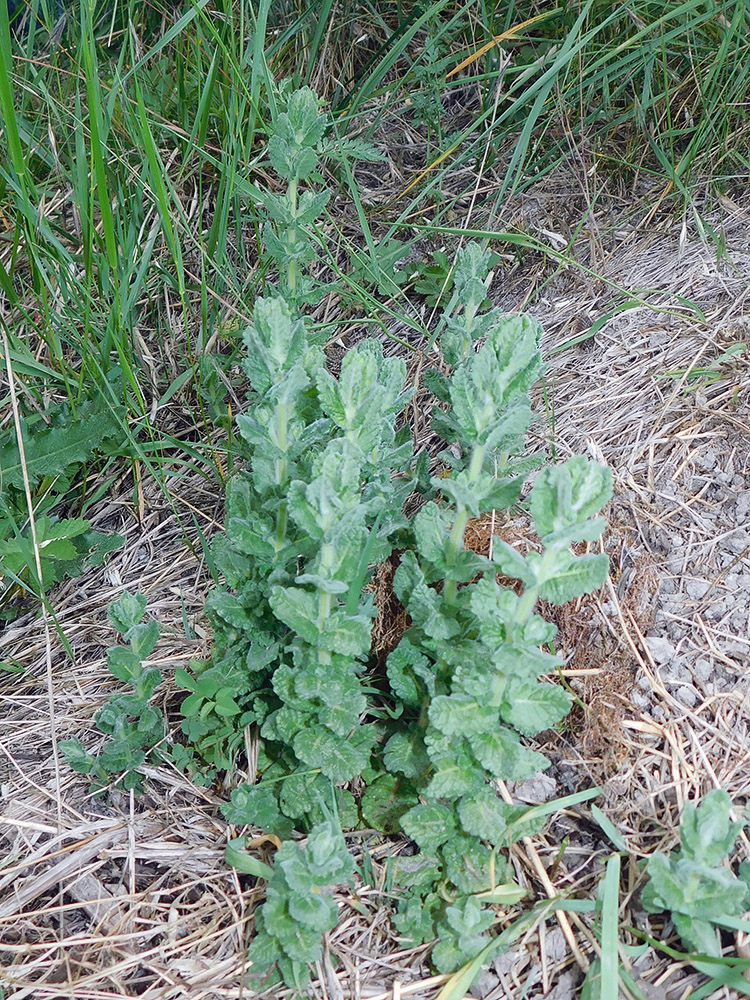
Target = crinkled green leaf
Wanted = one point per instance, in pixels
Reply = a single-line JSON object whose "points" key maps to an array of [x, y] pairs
{"points": [[510, 562], [502, 753], [461, 714], [127, 611], [339, 759], [409, 674], [583, 575], [483, 814], [567, 495], [417, 871], [275, 341], [296, 608], [700, 936], [531, 707], [405, 753], [470, 865], [385, 801], [423, 604], [463, 934], [315, 911], [707, 833], [415, 919], [429, 826], [256, 805], [431, 532], [693, 889]]}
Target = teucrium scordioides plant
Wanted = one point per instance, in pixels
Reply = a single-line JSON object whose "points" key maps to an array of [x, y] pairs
{"points": [[319, 506]]}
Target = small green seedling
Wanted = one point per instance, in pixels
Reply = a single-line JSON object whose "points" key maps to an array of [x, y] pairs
{"points": [[134, 726], [695, 884]]}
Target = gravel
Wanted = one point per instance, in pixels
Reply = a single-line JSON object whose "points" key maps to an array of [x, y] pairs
{"points": [[702, 606]]}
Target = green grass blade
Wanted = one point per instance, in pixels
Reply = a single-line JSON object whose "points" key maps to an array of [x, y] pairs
{"points": [[610, 981]]}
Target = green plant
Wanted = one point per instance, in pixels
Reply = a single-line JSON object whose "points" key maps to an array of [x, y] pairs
{"points": [[295, 146], [54, 451], [214, 721], [299, 908], [320, 504], [694, 883], [134, 726]]}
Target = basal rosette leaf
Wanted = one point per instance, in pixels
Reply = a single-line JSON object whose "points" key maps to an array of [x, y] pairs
{"points": [[429, 826], [470, 865], [419, 871], [310, 796], [460, 714], [405, 754], [456, 770], [385, 801], [77, 757], [331, 691], [483, 814], [70, 441], [504, 756], [338, 759], [285, 723]]}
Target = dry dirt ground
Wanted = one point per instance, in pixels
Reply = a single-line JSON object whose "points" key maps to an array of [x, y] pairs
{"points": [[130, 896]]}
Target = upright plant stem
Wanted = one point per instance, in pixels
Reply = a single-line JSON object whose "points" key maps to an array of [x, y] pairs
{"points": [[456, 540], [292, 237]]}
